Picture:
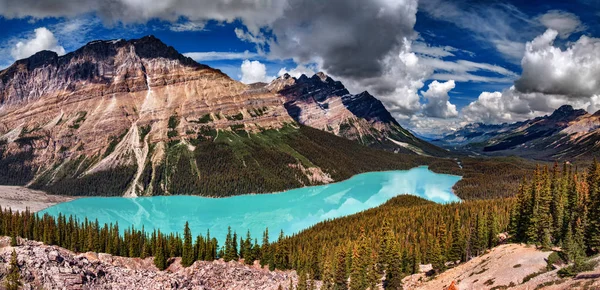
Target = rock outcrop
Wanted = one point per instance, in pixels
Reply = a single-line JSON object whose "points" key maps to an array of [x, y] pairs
{"points": [[326, 104], [117, 103], [50, 267]]}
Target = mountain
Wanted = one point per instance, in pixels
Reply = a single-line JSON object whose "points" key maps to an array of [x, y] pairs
{"points": [[565, 134], [136, 117], [323, 103]]}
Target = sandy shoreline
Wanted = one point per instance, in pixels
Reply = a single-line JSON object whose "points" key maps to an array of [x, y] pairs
{"points": [[19, 198]]}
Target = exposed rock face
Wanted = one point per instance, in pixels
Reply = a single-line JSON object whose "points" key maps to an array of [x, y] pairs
{"points": [[326, 104], [50, 267], [119, 112], [134, 94]]}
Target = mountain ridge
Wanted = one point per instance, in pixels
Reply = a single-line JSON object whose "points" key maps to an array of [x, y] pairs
{"points": [[567, 133], [140, 116]]}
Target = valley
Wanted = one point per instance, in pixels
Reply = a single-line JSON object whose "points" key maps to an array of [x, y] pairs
{"points": [[125, 160]]}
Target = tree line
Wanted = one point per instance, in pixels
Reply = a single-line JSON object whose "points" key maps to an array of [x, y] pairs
{"points": [[560, 207], [360, 247]]}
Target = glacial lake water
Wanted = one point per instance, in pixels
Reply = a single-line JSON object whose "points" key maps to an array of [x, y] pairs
{"points": [[290, 211]]}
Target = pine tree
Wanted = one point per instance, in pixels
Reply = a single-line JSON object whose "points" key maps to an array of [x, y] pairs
{"points": [[248, 253], [435, 256], [13, 278], [387, 236], [187, 257], [360, 263], [456, 251], [592, 232], [265, 258], [230, 251], [160, 260], [341, 276], [13, 239], [393, 277], [373, 275]]}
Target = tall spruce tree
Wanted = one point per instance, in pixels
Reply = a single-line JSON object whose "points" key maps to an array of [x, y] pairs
{"points": [[160, 260], [187, 257]]}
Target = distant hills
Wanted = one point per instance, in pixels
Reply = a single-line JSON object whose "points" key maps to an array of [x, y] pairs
{"points": [[136, 117], [566, 134]]}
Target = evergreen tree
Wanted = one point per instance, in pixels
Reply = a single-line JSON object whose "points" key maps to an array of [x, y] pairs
{"points": [[13, 240], [265, 258], [230, 251], [592, 232], [248, 252], [360, 262], [13, 278], [341, 276], [160, 260], [456, 251], [187, 257], [393, 278], [435, 256]]}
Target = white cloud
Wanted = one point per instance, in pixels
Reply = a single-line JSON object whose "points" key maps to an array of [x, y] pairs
{"points": [[461, 70], [564, 22], [220, 55], [551, 70], [187, 26], [438, 102], [254, 72], [423, 48], [42, 39]]}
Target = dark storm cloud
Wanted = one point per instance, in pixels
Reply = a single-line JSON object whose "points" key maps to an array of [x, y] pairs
{"points": [[350, 38]]}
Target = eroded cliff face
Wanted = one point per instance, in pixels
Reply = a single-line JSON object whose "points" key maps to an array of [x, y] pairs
{"points": [[117, 104], [326, 104]]}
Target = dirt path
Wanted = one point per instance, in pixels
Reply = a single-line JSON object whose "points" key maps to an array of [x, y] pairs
{"points": [[19, 198]]}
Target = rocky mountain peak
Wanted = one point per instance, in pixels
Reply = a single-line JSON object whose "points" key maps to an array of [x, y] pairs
{"points": [[322, 76], [566, 113]]}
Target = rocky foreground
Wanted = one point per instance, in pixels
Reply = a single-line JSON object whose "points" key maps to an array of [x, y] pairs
{"points": [[51, 267], [509, 266]]}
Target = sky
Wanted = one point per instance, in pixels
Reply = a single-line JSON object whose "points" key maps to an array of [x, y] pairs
{"points": [[436, 65]]}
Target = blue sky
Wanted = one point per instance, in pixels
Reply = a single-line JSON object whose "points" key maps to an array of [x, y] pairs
{"points": [[436, 64]]}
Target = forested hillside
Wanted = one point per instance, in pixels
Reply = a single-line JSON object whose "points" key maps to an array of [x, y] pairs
{"points": [[560, 207], [228, 163]]}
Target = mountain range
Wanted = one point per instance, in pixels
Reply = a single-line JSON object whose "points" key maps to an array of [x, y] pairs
{"points": [[136, 117], [566, 134]]}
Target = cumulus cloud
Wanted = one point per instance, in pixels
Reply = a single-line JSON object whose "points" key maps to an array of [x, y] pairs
{"points": [[564, 23], [220, 55], [42, 39], [438, 102], [254, 72], [549, 69], [551, 77]]}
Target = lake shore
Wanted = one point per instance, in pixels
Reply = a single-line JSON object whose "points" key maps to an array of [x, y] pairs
{"points": [[19, 198]]}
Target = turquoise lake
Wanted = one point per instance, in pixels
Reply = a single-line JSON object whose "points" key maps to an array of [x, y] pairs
{"points": [[290, 211]]}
